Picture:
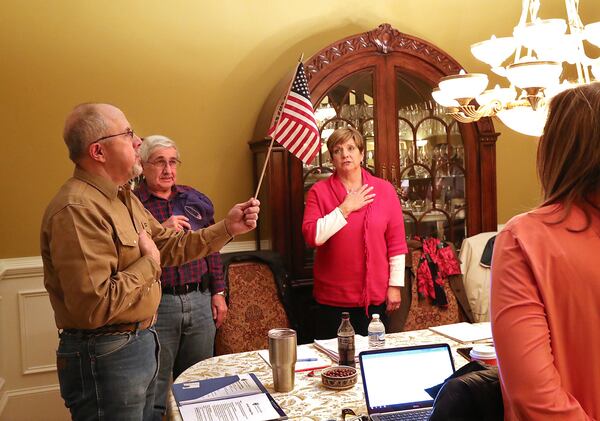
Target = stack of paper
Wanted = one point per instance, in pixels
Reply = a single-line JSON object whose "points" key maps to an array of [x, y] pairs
{"points": [[228, 398], [330, 346], [306, 359], [465, 332]]}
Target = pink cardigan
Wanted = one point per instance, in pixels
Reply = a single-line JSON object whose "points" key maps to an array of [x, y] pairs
{"points": [[352, 268]]}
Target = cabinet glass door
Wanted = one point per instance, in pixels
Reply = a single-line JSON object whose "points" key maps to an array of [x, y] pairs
{"points": [[348, 104], [431, 179]]}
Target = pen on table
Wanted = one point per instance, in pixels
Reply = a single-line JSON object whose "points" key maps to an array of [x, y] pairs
{"points": [[301, 360]]}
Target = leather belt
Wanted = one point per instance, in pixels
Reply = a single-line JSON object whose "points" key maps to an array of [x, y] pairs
{"points": [[112, 329], [182, 289]]}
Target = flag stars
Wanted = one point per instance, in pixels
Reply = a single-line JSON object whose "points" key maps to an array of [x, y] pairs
{"points": [[295, 128], [300, 85]]}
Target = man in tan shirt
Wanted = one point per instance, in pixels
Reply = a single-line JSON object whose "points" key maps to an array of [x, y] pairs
{"points": [[102, 254]]}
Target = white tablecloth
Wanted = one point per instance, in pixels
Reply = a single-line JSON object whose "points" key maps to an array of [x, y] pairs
{"points": [[309, 400]]}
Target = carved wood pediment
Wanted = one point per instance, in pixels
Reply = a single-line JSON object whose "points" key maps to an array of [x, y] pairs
{"points": [[385, 40]]}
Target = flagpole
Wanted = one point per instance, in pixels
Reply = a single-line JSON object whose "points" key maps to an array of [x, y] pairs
{"points": [[277, 118]]}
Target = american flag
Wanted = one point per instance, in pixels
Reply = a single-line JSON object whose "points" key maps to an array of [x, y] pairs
{"points": [[296, 128]]}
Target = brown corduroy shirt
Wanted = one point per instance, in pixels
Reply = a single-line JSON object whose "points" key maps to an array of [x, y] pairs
{"points": [[94, 271]]}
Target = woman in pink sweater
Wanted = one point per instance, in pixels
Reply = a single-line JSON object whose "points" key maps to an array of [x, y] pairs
{"points": [[546, 278], [355, 221]]}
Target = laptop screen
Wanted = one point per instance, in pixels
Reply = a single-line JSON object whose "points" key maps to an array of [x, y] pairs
{"points": [[396, 378]]}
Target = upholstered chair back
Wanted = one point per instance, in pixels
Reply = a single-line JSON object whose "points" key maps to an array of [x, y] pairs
{"points": [[255, 305], [417, 312]]}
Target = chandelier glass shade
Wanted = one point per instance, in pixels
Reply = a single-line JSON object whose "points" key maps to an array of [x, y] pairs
{"points": [[542, 49]]}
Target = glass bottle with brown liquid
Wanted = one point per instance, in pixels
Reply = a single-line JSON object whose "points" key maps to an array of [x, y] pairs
{"points": [[345, 336]]}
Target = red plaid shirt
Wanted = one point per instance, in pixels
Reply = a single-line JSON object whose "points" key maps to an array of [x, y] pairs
{"points": [[202, 215]]}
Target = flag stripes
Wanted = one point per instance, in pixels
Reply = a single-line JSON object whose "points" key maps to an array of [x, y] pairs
{"points": [[296, 129]]}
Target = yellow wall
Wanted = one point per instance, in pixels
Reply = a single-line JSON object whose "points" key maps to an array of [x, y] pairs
{"points": [[199, 71]]}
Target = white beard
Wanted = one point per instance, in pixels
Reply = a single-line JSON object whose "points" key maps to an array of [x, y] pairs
{"points": [[137, 169]]}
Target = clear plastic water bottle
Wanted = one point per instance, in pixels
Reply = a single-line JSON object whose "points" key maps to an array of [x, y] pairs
{"points": [[376, 332]]}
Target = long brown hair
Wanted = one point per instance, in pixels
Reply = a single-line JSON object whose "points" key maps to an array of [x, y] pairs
{"points": [[568, 154]]}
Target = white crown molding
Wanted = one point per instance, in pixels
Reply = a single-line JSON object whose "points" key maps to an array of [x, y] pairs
{"points": [[21, 267]]}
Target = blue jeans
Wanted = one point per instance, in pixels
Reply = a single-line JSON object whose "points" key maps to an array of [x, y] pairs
{"points": [[111, 377], [186, 331]]}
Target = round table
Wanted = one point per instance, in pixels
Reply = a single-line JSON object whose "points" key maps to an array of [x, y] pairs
{"points": [[309, 400]]}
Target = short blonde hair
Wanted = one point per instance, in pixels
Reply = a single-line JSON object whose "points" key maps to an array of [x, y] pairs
{"points": [[343, 135]]}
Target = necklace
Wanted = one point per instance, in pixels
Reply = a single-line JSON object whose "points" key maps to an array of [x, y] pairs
{"points": [[354, 190], [356, 185]]}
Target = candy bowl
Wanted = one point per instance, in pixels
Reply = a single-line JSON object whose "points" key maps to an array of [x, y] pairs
{"points": [[339, 378]]}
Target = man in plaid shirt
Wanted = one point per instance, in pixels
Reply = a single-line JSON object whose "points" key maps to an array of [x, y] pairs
{"points": [[193, 294]]}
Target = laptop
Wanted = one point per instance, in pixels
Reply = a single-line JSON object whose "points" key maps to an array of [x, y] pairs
{"points": [[395, 379]]}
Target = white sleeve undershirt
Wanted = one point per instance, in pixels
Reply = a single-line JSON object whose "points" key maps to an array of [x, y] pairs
{"points": [[334, 221], [329, 225], [397, 270]]}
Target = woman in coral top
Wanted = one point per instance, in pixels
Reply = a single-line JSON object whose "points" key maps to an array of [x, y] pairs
{"points": [[355, 221], [546, 278]]}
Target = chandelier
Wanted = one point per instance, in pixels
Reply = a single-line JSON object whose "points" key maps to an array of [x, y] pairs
{"points": [[541, 48]]}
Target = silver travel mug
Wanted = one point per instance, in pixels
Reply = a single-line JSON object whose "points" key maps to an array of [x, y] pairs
{"points": [[282, 356]]}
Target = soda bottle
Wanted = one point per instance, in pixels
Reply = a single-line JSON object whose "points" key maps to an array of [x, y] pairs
{"points": [[376, 331], [345, 337]]}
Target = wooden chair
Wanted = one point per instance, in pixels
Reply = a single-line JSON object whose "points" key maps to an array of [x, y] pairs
{"points": [[417, 312], [255, 299]]}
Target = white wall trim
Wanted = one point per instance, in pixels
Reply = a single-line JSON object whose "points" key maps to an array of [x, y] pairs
{"points": [[21, 267], [3, 396], [26, 367], [239, 246], [32, 390]]}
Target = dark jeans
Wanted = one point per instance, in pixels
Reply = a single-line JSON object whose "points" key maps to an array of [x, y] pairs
{"points": [[327, 319], [109, 377], [186, 331]]}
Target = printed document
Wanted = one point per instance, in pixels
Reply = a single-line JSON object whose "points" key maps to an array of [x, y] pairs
{"points": [[247, 408], [231, 398]]}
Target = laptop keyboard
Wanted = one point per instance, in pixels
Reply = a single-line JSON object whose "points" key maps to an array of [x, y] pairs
{"points": [[406, 416]]}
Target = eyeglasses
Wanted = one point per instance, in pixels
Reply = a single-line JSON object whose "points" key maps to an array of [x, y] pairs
{"points": [[162, 164], [194, 213], [130, 133]]}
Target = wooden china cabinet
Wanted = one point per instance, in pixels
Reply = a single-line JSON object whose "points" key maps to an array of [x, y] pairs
{"points": [[380, 83]]}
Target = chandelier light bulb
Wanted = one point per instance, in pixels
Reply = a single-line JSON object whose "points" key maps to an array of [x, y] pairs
{"points": [[555, 90], [540, 34], [540, 48], [463, 87], [524, 119], [534, 74], [440, 98], [494, 50], [563, 48], [592, 34], [504, 95], [596, 70]]}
